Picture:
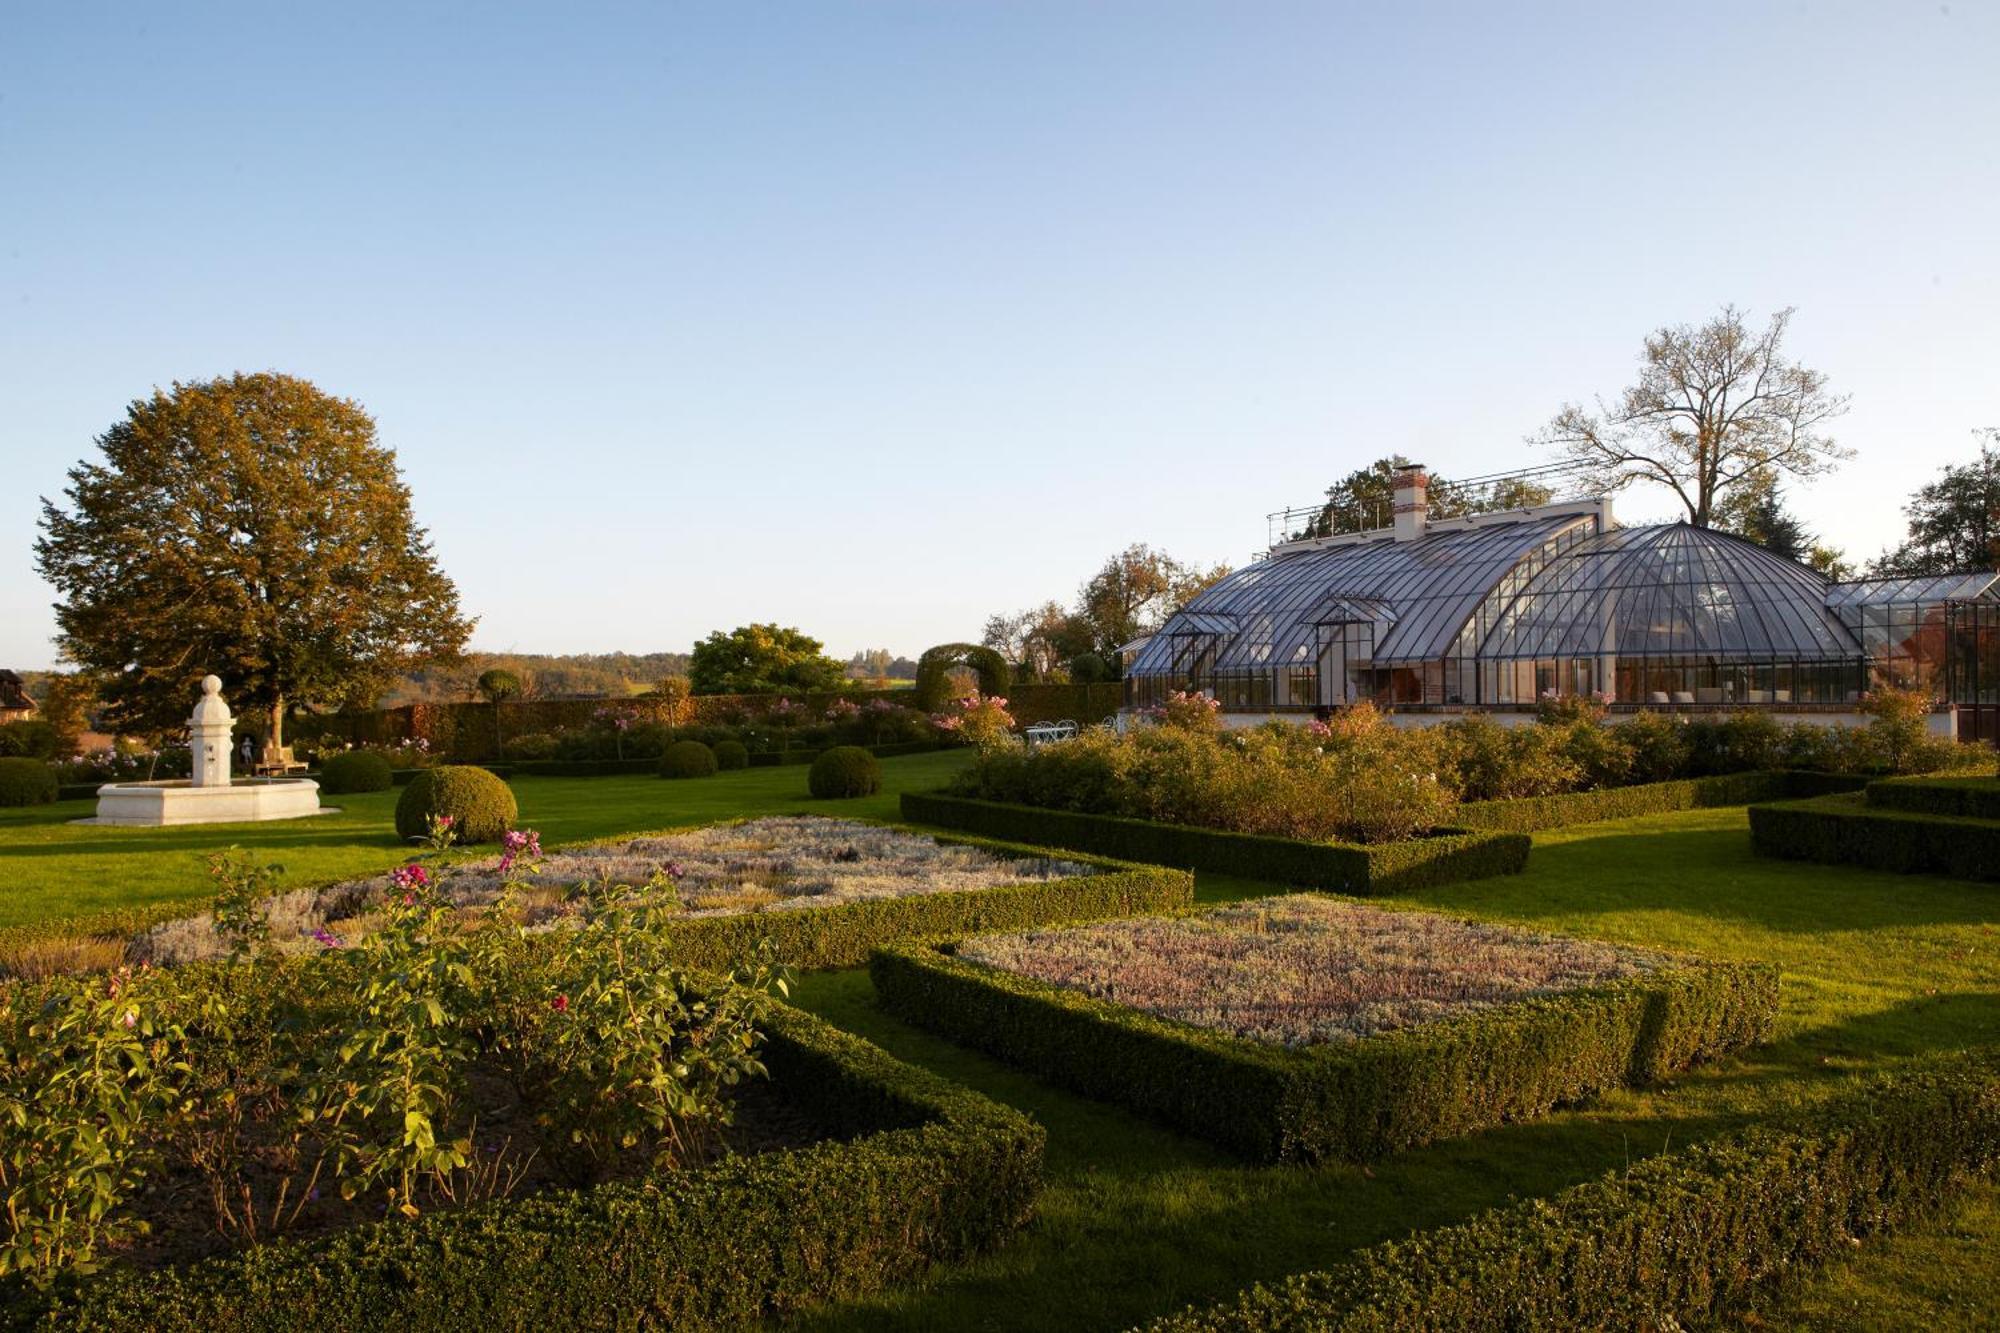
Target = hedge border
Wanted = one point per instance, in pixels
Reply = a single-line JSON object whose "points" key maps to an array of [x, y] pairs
{"points": [[1845, 830], [1963, 797], [1391, 867], [1531, 814], [809, 938], [1679, 1240], [938, 1172], [1353, 1101], [848, 934]]}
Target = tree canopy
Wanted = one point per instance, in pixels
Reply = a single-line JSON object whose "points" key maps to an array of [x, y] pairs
{"points": [[762, 659], [1130, 595], [1713, 409], [1365, 498], [1954, 520], [249, 526]]}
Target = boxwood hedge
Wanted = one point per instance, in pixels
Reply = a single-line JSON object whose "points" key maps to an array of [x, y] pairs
{"points": [[1968, 798], [919, 1171], [845, 935], [1528, 814], [1847, 830], [1680, 1240], [1392, 867], [1352, 1101]]}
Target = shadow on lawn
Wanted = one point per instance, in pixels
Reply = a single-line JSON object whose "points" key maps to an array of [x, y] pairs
{"points": [[1714, 872]]}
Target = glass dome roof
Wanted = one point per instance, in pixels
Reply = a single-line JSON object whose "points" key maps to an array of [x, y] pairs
{"points": [[1670, 591]]}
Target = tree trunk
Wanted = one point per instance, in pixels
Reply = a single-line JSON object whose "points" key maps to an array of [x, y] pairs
{"points": [[277, 724]]}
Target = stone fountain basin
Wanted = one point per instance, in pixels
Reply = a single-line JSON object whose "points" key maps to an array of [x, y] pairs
{"points": [[244, 801]]}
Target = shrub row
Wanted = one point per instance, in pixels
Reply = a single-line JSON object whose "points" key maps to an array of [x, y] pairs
{"points": [[1353, 1101], [1846, 830], [1395, 867], [604, 768], [1680, 1240], [845, 935], [936, 1173], [1967, 798], [1526, 814]]}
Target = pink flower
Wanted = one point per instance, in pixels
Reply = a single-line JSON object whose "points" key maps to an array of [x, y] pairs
{"points": [[409, 879], [560, 1004]]}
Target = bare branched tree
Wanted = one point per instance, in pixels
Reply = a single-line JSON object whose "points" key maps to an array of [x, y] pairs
{"points": [[1714, 407]]}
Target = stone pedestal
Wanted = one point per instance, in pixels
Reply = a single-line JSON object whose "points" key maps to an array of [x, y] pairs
{"points": [[208, 735]]}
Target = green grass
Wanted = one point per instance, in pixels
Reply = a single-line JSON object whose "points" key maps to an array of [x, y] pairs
{"points": [[1138, 1220], [50, 867]]}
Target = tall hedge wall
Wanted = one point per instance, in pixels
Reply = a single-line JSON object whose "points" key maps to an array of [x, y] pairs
{"points": [[1395, 867], [1078, 703], [1847, 830], [1528, 814], [938, 1172], [1353, 1101], [1679, 1240]]}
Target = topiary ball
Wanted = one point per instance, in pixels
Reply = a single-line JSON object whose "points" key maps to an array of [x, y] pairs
{"points": [[732, 754], [688, 759], [26, 782], [481, 806], [355, 771], [843, 772]]}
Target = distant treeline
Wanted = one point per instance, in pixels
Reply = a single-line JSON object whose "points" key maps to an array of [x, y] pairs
{"points": [[587, 675]]}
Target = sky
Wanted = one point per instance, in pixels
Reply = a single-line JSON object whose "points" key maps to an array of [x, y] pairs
{"points": [[877, 318]]}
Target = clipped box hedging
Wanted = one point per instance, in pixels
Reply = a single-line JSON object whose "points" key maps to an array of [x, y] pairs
{"points": [[1680, 1240], [921, 1171], [1964, 797], [1353, 1100], [1528, 814], [845, 935], [1391, 867], [1847, 830]]}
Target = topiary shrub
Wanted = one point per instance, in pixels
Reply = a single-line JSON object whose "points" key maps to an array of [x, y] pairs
{"points": [[26, 782], [355, 771], [481, 805], [934, 670], [843, 772], [731, 755], [689, 759]]}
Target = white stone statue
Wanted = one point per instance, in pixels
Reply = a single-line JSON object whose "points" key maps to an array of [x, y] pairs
{"points": [[208, 735]]}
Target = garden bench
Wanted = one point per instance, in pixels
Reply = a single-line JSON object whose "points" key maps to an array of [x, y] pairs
{"points": [[1044, 732]]}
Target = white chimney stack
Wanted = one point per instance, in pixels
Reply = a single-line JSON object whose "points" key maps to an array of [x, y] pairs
{"points": [[1412, 491]]}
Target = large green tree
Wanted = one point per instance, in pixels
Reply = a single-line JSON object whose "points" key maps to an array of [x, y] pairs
{"points": [[1955, 520], [1714, 408], [249, 526], [762, 659]]}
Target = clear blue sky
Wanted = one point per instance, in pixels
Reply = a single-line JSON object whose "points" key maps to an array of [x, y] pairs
{"points": [[877, 318]]}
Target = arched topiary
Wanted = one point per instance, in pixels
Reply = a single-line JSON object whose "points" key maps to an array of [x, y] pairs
{"points": [[355, 771], [481, 806], [935, 666], [844, 771], [26, 782], [731, 754], [687, 759]]}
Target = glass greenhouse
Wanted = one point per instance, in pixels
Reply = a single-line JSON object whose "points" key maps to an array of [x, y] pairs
{"points": [[1503, 608]]}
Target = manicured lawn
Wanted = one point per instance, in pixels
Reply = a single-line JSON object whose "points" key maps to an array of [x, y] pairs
{"points": [[1877, 967], [50, 867]]}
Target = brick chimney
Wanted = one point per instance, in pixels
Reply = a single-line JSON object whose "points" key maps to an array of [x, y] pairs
{"points": [[1412, 491]]}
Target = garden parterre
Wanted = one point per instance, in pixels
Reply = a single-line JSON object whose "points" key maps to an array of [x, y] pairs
{"points": [[1302, 969]]}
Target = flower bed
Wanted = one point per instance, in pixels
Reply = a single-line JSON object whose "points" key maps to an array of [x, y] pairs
{"points": [[824, 891], [1446, 856], [1418, 1052], [918, 1171], [1304, 970], [1683, 1239]]}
